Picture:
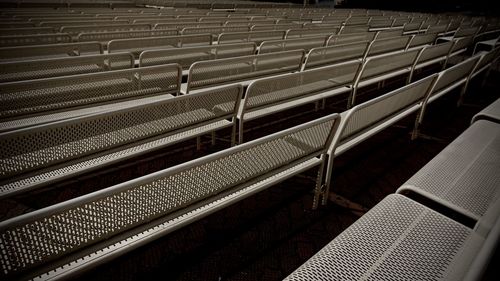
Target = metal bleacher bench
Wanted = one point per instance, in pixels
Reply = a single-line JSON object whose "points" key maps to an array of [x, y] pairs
{"points": [[53, 67], [61, 150], [137, 45], [412, 241], [464, 176], [50, 51], [213, 73], [306, 44], [186, 56], [274, 94], [252, 36], [397, 239], [44, 96], [490, 113], [86, 231], [34, 39], [105, 37]]}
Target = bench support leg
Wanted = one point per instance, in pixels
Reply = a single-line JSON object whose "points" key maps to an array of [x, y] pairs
{"points": [[319, 190], [213, 138]]}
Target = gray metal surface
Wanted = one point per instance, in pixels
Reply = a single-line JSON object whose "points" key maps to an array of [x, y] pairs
{"points": [[105, 37], [292, 44], [271, 95], [53, 67], [137, 45], [386, 45], [49, 50], [351, 38], [398, 239], [23, 98], [335, 54], [37, 156], [422, 40], [464, 176], [186, 56], [251, 36], [34, 39], [75, 30], [491, 113], [222, 71], [81, 222]]}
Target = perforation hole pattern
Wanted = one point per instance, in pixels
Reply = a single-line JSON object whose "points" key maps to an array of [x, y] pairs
{"points": [[66, 229], [388, 45], [268, 91], [64, 92], [61, 67], [454, 74], [335, 54], [465, 173], [397, 240], [382, 65], [34, 149], [235, 69], [367, 114]]}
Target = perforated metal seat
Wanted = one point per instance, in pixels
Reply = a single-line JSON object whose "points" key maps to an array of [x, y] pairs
{"points": [[49, 50], [34, 39], [292, 44], [491, 113], [31, 121], [53, 67], [340, 53], [464, 176], [42, 155], [385, 46], [137, 45], [252, 36], [128, 215], [448, 80], [205, 74], [75, 30], [23, 98], [398, 239], [351, 38], [186, 56], [271, 95], [380, 68], [105, 37], [433, 54]]}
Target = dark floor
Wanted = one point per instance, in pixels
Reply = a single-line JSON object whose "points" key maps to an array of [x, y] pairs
{"points": [[269, 235]]}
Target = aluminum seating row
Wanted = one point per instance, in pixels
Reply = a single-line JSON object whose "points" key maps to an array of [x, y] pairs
{"points": [[153, 205], [413, 239]]}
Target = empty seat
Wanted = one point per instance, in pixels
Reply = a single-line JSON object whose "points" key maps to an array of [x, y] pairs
{"points": [[397, 239]]}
